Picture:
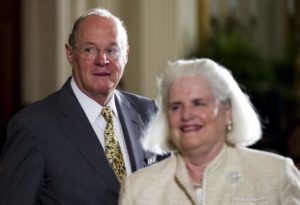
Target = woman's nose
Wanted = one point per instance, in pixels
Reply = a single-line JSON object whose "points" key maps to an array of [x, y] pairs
{"points": [[186, 113]]}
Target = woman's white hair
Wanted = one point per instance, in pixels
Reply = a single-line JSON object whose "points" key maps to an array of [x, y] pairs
{"points": [[246, 126]]}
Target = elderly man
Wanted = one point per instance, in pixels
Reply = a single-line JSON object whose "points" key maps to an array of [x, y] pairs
{"points": [[77, 145]]}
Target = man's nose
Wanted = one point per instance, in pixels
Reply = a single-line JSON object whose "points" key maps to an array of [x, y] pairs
{"points": [[102, 57]]}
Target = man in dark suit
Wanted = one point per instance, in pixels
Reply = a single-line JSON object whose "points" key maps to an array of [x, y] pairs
{"points": [[54, 152]]}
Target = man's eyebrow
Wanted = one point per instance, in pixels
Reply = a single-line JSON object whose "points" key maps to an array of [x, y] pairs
{"points": [[88, 44]]}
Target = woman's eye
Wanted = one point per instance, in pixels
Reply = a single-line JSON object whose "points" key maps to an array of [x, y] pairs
{"points": [[174, 107]]}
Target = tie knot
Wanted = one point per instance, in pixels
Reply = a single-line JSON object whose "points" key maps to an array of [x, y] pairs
{"points": [[106, 112]]}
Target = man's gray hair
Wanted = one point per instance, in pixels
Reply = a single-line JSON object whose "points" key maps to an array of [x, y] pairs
{"points": [[100, 12]]}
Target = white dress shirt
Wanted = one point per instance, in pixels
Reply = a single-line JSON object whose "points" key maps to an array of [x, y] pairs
{"points": [[92, 110]]}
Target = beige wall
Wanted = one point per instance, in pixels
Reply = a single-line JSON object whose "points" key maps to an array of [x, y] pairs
{"points": [[158, 31], [267, 31]]}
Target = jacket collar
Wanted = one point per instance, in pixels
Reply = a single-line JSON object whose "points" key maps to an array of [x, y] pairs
{"points": [[183, 178], [77, 129]]}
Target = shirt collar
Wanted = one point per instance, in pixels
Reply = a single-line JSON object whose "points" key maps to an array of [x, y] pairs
{"points": [[89, 105]]}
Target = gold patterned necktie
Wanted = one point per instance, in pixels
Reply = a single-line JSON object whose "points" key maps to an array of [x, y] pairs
{"points": [[112, 147]]}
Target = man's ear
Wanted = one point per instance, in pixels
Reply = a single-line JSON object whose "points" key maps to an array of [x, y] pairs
{"points": [[127, 53], [68, 50]]}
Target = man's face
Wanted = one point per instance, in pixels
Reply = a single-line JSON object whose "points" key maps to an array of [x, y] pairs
{"points": [[98, 58]]}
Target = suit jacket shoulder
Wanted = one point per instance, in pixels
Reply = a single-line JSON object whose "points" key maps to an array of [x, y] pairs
{"points": [[135, 112], [52, 150], [144, 106]]}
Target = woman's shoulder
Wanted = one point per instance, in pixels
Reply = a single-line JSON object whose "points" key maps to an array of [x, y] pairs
{"points": [[162, 166], [155, 171], [150, 185], [254, 153], [259, 158]]}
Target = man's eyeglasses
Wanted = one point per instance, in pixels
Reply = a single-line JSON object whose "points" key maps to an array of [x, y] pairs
{"points": [[90, 52]]}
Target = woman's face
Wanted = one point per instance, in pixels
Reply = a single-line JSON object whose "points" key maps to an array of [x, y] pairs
{"points": [[197, 121]]}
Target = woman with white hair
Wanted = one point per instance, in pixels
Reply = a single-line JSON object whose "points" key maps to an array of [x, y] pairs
{"points": [[207, 122]]}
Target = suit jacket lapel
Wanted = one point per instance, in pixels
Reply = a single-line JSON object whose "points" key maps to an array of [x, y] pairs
{"points": [[78, 130], [132, 130]]}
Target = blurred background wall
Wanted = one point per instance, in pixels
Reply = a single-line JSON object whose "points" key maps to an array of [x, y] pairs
{"points": [[257, 40]]}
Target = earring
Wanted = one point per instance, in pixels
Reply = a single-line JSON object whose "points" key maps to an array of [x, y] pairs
{"points": [[229, 126]]}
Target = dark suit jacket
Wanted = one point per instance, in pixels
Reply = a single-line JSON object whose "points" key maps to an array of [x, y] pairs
{"points": [[52, 154]]}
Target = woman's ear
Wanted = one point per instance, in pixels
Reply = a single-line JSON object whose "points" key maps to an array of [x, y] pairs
{"points": [[228, 112], [228, 116]]}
